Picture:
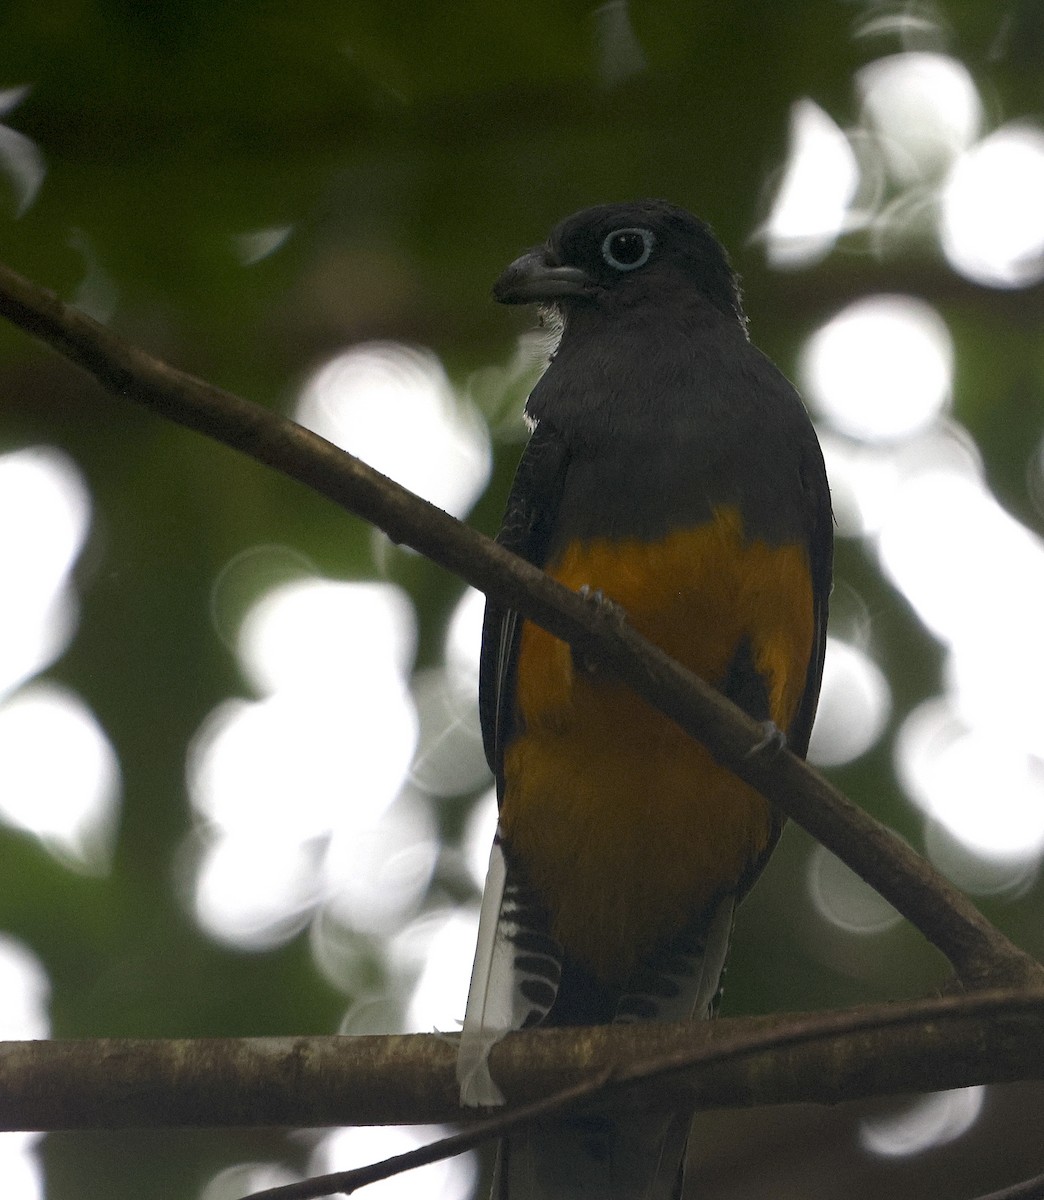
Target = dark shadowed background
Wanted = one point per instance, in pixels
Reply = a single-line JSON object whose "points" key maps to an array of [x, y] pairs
{"points": [[241, 787]]}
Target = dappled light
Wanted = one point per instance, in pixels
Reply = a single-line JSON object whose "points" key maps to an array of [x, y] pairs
{"points": [[25, 993], [928, 1122], [976, 782], [21, 160], [844, 900], [811, 206], [377, 875], [924, 110], [478, 836], [854, 706], [47, 515], [59, 778], [881, 369], [993, 209], [311, 767], [257, 244], [434, 953], [393, 406]]}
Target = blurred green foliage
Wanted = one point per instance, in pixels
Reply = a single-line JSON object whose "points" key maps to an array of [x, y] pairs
{"points": [[413, 149]]}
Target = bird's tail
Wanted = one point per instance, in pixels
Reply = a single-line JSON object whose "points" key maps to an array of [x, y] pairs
{"points": [[634, 1155], [639, 1156]]}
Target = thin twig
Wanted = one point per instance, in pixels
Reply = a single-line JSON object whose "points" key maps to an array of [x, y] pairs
{"points": [[980, 954], [347, 1182], [608, 1082], [1028, 1189]]}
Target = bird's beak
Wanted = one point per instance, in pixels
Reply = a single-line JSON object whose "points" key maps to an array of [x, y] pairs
{"points": [[536, 276]]}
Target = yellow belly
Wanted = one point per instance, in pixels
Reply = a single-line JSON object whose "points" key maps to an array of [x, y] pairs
{"points": [[627, 828]]}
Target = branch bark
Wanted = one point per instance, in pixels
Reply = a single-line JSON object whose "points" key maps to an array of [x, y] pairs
{"points": [[924, 1045], [979, 953]]}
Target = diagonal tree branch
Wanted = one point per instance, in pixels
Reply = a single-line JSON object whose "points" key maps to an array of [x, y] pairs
{"points": [[980, 954]]}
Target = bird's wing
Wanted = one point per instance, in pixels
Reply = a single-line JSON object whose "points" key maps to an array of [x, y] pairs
{"points": [[517, 967], [821, 554], [526, 531]]}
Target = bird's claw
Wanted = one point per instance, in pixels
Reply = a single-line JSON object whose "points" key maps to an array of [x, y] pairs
{"points": [[772, 743]]}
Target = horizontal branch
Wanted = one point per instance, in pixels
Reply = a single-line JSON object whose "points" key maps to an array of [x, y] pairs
{"points": [[979, 952], [926, 1045]]}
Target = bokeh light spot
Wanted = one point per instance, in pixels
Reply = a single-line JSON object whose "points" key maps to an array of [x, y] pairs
{"points": [[256, 892], [981, 562], [854, 706], [818, 184], [436, 952], [258, 244], [924, 108], [992, 225], [970, 779], [20, 157], [376, 875], [393, 407], [976, 872], [246, 578], [862, 477], [291, 779], [478, 836], [843, 899], [619, 52], [244, 1179], [48, 510], [450, 760], [315, 631], [464, 637], [25, 992], [293, 761], [59, 777], [931, 1121], [881, 369]]}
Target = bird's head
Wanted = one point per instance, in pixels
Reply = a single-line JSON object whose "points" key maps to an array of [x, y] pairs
{"points": [[615, 256]]}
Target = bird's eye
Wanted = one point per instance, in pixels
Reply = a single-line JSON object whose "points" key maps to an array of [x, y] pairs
{"points": [[628, 249]]}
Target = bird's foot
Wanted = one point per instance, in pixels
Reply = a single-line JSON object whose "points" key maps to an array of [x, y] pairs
{"points": [[605, 610], [772, 743]]}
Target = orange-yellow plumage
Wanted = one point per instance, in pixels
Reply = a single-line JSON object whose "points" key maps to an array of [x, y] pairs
{"points": [[626, 827]]}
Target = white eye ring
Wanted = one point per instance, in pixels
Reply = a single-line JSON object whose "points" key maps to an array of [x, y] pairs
{"points": [[626, 264]]}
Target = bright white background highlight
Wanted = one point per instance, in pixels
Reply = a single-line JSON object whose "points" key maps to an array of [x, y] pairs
{"points": [[59, 778], [843, 899], [854, 705], [286, 784], [47, 512], [881, 369], [908, 480], [20, 157], [818, 184], [393, 407], [25, 993], [993, 209], [924, 109], [931, 1121]]}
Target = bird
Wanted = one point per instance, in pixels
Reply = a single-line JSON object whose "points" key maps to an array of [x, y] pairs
{"points": [[671, 470]]}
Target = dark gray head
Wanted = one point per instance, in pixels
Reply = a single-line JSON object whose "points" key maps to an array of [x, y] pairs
{"points": [[620, 255]]}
